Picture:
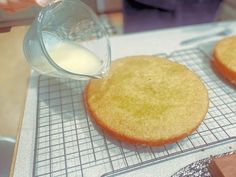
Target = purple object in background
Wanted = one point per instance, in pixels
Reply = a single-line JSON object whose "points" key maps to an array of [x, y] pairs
{"points": [[161, 4], [141, 15]]}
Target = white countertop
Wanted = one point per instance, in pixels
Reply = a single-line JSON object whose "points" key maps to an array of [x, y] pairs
{"points": [[152, 42]]}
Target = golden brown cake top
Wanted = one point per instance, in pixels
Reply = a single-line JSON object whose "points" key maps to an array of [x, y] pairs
{"points": [[147, 99]]}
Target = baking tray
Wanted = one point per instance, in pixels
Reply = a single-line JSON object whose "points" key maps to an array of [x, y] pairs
{"points": [[69, 144]]}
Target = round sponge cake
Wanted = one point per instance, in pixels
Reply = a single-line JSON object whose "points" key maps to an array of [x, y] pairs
{"points": [[147, 100], [224, 60]]}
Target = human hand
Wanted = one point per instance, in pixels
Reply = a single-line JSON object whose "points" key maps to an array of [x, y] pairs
{"points": [[16, 5]]}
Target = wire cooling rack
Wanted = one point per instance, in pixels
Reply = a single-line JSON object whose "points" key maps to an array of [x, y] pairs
{"points": [[69, 144]]}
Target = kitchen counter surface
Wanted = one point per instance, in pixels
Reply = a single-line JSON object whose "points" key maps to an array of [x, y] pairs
{"points": [[152, 42]]}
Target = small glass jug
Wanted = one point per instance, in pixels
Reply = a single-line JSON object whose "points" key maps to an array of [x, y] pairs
{"points": [[67, 40]]}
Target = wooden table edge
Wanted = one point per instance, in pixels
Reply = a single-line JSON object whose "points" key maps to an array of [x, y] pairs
{"points": [[18, 132]]}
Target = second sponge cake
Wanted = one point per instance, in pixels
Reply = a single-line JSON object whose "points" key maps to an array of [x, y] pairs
{"points": [[147, 100], [224, 59]]}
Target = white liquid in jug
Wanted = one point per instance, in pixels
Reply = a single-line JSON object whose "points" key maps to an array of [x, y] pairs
{"points": [[75, 59]]}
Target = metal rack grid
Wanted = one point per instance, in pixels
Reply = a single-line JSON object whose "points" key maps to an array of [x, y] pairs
{"points": [[69, 144]]}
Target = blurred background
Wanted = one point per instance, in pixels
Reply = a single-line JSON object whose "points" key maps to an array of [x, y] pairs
{"points": [[127, 16]]}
